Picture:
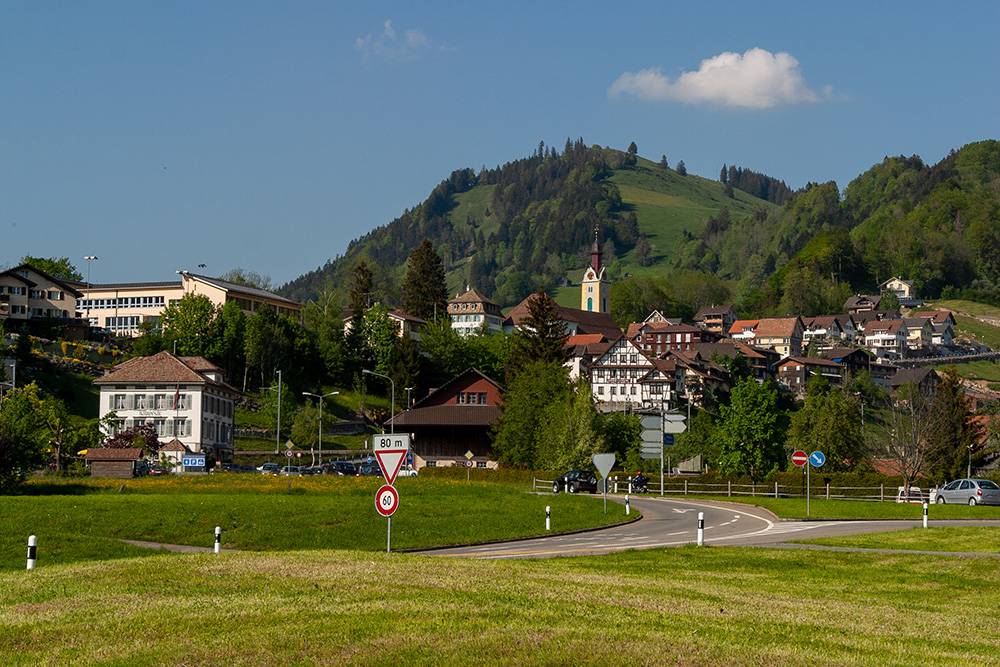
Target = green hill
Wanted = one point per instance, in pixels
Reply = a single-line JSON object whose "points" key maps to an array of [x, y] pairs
{"points": [[532, 221]]}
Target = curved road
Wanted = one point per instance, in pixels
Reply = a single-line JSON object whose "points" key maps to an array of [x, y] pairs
{"points": [[669, 522]]}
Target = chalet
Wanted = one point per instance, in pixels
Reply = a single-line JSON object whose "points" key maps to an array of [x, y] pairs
{"points": [[623, 377], [452, 420], [904, 289], [406, 324], [782, 334], [471, 311], [182, 397], [698, 376], [795, 372], [761, 362], [926, 379], [942, 326], [821, 329], [919, 333], [852, 360], [885, 337], [717, 319], [744, 330], [656, 339], [861, 303]]}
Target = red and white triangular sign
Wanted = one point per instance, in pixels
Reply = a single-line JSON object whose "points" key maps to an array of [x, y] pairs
{"points": [[390, 450]]}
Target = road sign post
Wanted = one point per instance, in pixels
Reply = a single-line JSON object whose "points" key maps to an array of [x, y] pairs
{"points": [[390, 450], [604, 463]]}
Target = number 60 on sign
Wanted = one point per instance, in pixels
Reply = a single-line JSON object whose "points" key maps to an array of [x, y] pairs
{"points": [[386, 500]]}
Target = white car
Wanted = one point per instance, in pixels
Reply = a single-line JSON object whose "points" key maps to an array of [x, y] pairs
{"points": [[407, 471]]}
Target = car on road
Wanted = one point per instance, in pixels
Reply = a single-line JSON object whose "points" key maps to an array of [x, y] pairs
{"points": [[290, 471], [969, 492], [370, 470], [574, 481], [269, 469], [344, 469]]}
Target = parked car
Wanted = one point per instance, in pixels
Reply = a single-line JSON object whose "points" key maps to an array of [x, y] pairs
{"points": [[407, 471], [246, 467], [344, 468], [969, 492], [370, 470], [156, 471], [311, 472], [290, 471], [574, 481], [269, 469], [914, 495], [227, 467]]}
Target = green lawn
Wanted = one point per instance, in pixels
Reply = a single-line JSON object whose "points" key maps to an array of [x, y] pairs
{"points": [[969, 539], [84, 521], [686, 606]]}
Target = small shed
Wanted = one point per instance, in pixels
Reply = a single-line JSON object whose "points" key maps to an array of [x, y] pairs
{"points": [[120, 463]]}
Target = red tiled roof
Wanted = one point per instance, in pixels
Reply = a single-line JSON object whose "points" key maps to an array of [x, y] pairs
{"points": [[740, 325], [775, 327]]}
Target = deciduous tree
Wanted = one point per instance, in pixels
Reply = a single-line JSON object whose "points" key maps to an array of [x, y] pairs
{"points": [[752, 431]]}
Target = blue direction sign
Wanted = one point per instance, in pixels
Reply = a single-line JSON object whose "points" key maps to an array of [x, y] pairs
{"points": [[817, 459], [668, 439]]}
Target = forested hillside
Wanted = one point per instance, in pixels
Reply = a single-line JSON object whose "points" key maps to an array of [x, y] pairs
{"points": [[936, 225], [508, 229]]}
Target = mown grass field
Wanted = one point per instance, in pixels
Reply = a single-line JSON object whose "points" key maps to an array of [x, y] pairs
{"points": [[86, 520], [965, 539], [686, 606]]}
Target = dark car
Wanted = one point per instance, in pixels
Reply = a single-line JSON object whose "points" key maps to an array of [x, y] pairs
{"points": [[156, 471], [370, 470], [575, 481], [344, 468]]}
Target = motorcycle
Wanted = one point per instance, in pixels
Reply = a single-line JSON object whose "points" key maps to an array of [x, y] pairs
{"points": [[639, 485]]}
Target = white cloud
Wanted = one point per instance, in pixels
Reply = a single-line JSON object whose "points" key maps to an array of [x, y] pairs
{"points": [[758, 79], [391, 46]]}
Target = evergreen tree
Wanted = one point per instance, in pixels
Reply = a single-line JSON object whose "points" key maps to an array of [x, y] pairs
{"points": [[663, 163], [681, 169], [359, 298], [951, 443], [542, 334], [724, 174], [633, 149], [424, 292]]}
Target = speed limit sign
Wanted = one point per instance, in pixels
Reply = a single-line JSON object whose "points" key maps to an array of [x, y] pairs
{"points": [[386, 500]]}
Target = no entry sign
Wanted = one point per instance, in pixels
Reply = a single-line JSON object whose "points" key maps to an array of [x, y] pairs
{"points": [[799, 457]]}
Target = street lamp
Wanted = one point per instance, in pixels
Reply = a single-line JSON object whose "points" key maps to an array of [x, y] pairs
{"points": [[320, 398], [392, 425], [89, 259], [277, 433], [408, 390]]}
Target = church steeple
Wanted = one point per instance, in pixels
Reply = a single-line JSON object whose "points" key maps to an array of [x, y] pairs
{"points": [[595, 252], [595, 287]]}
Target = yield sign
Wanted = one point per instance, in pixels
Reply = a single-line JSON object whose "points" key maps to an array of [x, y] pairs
{"points": [[390, 450]]}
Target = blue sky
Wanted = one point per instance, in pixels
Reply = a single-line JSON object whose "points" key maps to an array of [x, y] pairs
{"points": [[264, 135]]}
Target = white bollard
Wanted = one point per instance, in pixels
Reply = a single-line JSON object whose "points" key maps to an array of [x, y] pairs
{"points": [[548, 518], [629, 486], [218, 539], [701, 529], [925, 515], [628, 510], [32, 543]]}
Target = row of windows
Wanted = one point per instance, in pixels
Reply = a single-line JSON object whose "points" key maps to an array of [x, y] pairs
{"points": [[150, 401], [164, 427], [471, 398], [601, 374], [623, 358], [677, 338], [129, 323], [121, 302]]}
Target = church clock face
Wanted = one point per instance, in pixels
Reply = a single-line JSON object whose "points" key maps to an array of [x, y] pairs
{"points": [[590, 274]]}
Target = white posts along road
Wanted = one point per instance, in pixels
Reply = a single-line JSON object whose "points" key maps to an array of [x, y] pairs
{"points": [[671, 522]]}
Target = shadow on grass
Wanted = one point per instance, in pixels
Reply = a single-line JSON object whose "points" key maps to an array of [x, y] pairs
{"points": [[57, 489]]}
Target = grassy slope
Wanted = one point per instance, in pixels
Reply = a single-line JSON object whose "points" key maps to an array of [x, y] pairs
{"points": [[665, 203], [688, 606], [981, 323]]}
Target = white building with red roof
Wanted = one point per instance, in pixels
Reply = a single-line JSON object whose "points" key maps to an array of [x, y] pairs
{"points": [[184, 398]]}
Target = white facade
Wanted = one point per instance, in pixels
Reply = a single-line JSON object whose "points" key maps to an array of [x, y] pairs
{"points": [[624, 376]]}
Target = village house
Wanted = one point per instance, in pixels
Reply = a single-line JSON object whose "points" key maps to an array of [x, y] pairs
{"points": [[861, 303], [404, 323], [904, 289], [795, 372], [452, 420], [623, 377], [782, 334], [29, 295], [184, 398], [471, 310], [885, 337], [717, 319], [656, 339]]}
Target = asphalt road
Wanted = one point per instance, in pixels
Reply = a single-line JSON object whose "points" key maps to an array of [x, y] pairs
{"points": [[669, 522]]}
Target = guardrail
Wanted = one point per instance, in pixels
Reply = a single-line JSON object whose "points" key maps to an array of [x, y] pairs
{"points": [[685, 487]]}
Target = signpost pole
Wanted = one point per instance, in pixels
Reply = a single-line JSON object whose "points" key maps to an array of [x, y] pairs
{"points": [[808, 492]]}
